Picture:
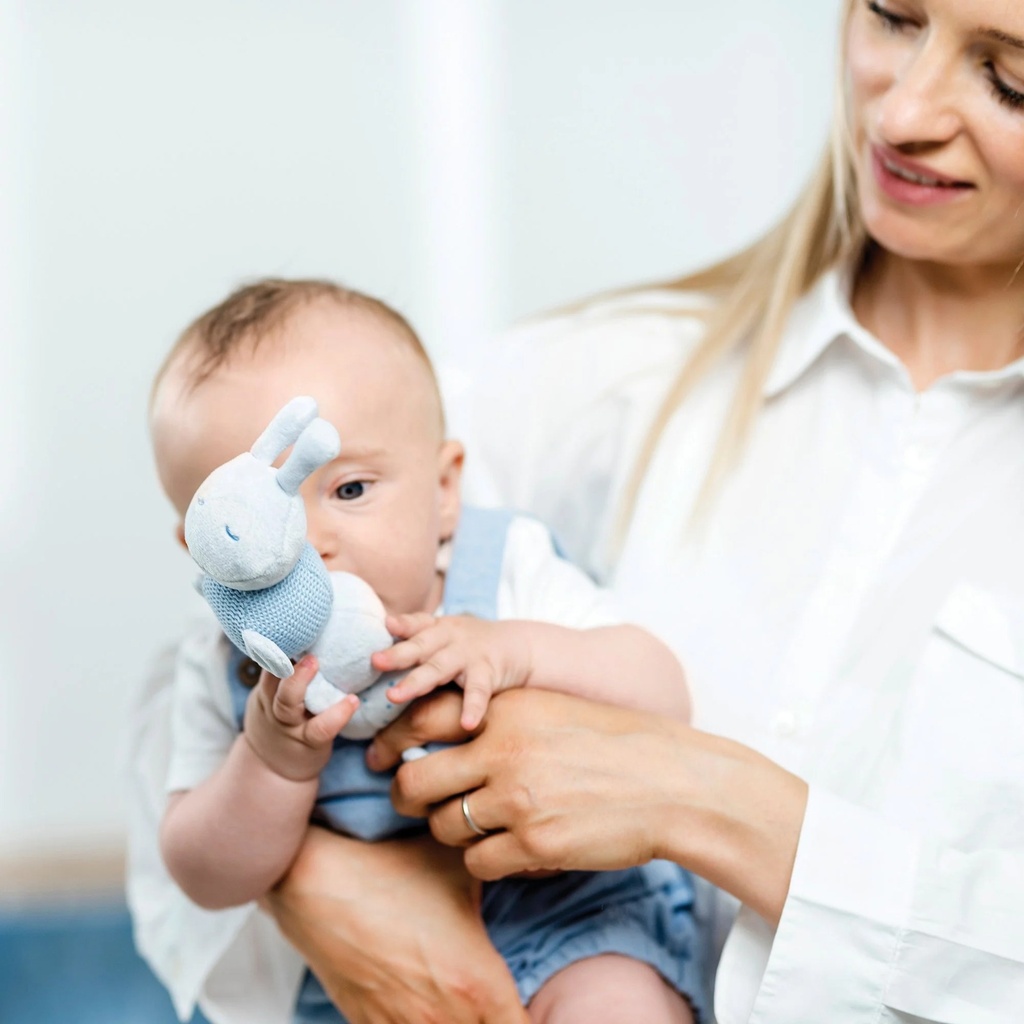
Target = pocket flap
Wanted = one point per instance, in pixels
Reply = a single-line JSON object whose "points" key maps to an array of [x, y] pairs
{"points": [[987, 624]]}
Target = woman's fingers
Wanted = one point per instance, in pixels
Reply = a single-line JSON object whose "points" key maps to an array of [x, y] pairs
{"points": [[498, 856], [433, 719], [420, 784], [463, 819]]}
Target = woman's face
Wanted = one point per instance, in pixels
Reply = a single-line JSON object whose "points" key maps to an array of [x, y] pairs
{"points": [[936, 106]]}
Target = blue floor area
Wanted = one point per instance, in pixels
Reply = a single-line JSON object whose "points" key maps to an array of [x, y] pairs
{"points": [[76, 966]]}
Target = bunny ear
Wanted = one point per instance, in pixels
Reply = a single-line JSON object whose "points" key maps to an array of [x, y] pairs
{"points": [[317, 444], [284, 429]]}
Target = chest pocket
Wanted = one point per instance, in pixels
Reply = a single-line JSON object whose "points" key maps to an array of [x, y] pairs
{"points": [[962, 734], [985, 626]]}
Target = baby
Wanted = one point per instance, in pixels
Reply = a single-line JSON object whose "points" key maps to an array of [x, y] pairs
{"points": [[250, 767]]}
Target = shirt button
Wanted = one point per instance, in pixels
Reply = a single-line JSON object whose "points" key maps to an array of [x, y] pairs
{"points": [[784, 724]]}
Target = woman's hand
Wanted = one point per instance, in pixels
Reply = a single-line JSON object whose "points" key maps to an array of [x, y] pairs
{"points": [[393, 932], [569, 784]]}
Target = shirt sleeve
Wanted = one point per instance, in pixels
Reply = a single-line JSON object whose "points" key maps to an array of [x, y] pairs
{"points": [[202, 722], [537, 583], [883, 925], [233, 963]]}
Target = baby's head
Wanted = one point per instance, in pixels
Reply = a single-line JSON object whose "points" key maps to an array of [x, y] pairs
{"points": [[384, 507]]}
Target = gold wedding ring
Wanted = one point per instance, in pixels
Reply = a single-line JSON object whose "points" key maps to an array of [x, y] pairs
{"points": [[472, 825]]}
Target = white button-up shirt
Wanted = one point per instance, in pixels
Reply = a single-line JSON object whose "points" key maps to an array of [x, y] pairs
{"points": [[853, 607]]}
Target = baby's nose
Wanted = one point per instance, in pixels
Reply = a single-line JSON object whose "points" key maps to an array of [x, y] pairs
{"points": [[322, 538]]}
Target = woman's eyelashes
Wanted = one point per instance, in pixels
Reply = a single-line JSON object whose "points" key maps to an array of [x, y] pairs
{"points": [[889, 21], [351, 489], [1006, 95]]}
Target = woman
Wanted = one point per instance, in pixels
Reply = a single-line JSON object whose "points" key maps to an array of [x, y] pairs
{"points": [[823, 519]]}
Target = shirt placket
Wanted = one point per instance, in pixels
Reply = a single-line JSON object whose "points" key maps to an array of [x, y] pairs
{"points": [[900, 459]]}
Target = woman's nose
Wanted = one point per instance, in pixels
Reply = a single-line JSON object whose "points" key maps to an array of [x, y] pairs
{"points": [[920, 107]]}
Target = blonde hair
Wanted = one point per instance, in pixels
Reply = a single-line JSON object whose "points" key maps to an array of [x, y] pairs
{"points": [[754, 293]]}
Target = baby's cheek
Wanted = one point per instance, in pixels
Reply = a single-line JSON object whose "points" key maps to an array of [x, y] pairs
{"points": [[409, 587]]}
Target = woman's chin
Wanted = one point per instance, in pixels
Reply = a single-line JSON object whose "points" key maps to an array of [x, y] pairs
{"points": [[917, 238]]}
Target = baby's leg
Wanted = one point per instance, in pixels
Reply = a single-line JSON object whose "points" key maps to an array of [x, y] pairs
{"points": [[608, 989]]}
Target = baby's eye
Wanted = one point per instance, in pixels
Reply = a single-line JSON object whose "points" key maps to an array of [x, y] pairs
{"points": [[350, 491]]}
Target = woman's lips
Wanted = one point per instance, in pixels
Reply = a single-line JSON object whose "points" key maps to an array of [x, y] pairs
{"points": [[915, 184]]}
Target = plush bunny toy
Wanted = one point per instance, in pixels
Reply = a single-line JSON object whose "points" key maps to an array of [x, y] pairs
{"points": [[246, 530]]}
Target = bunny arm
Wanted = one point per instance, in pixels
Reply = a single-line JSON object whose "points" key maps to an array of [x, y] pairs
{"points": [[268, 655]]}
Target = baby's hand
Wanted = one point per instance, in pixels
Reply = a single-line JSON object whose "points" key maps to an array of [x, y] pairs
{"points": [[474, 653], [290, 741]]}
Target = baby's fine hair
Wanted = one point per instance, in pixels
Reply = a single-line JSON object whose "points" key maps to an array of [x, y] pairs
{"points": [[255, 310]]}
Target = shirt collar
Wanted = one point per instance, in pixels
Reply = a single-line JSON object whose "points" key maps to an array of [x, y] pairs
{"points": [[819, 319], [824, 316]]}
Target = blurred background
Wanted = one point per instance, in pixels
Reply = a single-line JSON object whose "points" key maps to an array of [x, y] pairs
{"points": [[468, 161]]}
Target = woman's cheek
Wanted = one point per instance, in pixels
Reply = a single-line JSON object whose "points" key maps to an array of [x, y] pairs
{"points": [[871, 68]]}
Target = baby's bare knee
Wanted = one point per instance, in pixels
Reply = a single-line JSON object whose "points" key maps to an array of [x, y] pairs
{"points": [[608, 989]]}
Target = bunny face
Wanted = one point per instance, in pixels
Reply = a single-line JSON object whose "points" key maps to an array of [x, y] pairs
{"points": [[242, 529], [246, 525]]}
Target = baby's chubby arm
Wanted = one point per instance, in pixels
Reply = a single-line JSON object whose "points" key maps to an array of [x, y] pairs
{"points": [[232, 837], [621, 664]]}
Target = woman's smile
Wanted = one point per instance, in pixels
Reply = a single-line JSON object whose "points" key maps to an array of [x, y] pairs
{"points": [[907, 181]]}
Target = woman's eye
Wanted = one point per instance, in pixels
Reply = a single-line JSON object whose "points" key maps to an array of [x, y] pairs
{"points": [[350, 491], [891, 22], [1005, 93]]}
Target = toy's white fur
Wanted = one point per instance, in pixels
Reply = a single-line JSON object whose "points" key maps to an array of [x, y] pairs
{"points": [[246, 526], [246, 529]]}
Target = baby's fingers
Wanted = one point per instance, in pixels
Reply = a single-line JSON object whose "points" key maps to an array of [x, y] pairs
{"points": [[479, 687], [443, 667], [417, 650], [405, 626], [288, 707], [324, 727]]}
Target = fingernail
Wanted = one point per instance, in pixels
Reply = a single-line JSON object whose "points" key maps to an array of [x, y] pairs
{"points": [[372, 756]]}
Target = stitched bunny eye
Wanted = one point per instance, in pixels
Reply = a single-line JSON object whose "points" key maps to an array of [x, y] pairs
{"points": [[350, 491]]}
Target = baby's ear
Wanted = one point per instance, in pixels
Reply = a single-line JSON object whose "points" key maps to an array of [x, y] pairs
{"points": [[179, 535], [450, 459]]}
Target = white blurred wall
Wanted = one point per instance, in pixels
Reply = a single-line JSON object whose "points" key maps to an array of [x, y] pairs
{"points": [[469, 161]]}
